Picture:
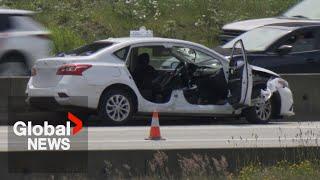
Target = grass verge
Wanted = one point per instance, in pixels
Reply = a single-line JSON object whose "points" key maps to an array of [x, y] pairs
{"points": [[75, 22]]}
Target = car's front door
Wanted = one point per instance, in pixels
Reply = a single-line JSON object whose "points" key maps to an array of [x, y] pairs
{"points": [[303, 57], [240, 79]]}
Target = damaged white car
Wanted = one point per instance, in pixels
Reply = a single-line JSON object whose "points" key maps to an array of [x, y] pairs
{"points": [[123, 77]]}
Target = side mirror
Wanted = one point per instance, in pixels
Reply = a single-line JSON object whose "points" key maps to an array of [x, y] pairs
{"points": [[284, 49]]}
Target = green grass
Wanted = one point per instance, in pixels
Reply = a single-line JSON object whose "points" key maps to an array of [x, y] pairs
{"points": [[75, 22], [281, 171], [196, 167]]}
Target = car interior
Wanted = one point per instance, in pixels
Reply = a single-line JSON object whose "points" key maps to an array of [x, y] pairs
{"points": [[157, 71]]}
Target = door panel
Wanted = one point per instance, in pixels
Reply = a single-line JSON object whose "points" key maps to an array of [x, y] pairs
{"points": [[304, 62], [240, 79], [303, 58]]}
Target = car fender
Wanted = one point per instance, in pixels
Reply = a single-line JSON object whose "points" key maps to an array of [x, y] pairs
{"points": [[105, 74], [286, 97], [116, 76]]}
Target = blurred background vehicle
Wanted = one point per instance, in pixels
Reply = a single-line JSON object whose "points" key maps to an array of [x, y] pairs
{"points": [[305, 11], [282, 48], [22, 42]]}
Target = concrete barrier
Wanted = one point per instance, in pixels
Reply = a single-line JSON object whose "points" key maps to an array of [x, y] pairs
{"points": [[305, 87], [4, 94], [10, 87], [306, 93]]}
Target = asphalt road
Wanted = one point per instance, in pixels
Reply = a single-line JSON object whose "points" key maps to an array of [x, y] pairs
{"points": [[282, 134]]}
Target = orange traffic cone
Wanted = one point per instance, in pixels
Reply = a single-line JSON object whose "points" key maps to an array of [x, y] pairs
{"points": [[155, 128]]}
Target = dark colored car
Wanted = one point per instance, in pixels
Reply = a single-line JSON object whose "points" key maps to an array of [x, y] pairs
{"points": [[283, 48], [304, 11]]}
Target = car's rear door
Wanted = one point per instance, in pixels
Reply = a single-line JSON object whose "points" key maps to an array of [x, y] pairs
{"points": [[240, 79]]}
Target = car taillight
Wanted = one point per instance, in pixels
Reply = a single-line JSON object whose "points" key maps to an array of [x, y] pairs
{"points": [[33, 72], [73, 69]]}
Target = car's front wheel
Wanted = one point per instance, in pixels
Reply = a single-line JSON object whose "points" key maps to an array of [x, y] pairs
{"points": [[116, 107], [260, 113]]}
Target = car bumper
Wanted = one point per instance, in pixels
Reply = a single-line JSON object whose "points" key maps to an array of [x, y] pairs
{"points": [[50, 103], [68, 92], [286, 102]]}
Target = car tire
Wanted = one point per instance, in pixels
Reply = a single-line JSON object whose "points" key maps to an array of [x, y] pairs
{"points": [[116, 107], [14, 65], [261, 113]]}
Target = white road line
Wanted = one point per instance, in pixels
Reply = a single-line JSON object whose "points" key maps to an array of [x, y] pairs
{"points": [[187, 140]]}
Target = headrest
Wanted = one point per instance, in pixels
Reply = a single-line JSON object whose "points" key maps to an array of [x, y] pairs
{"points": [[144, 58]]}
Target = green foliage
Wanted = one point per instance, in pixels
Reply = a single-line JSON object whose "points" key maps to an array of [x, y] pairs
{"points": [[282, 171], [200, 21], [65, 39]]}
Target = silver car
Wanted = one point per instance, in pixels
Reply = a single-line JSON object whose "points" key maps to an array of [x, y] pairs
{"points": [[305, 11]]}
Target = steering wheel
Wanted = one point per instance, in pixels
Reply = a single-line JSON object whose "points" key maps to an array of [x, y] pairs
{"points": [[178, 70]]}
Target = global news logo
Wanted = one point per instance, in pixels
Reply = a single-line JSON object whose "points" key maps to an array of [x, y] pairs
{"points": [[48, 137]]}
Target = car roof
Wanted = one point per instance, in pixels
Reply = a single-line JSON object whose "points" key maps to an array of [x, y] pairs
{"points": [[294, 25], [141, 39], [136, 40], [15, 11], [128, 41]]}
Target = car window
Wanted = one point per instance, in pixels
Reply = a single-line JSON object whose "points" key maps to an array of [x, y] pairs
{"points": [[197, 57], [88, 50], [122, 53], [259, 39], [25, 23], [302, 42], [5, 24], [160, 58]]}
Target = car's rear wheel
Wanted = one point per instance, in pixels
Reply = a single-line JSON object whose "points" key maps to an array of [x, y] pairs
{"points": [[260, 113], [116, 107], [14, 65]]}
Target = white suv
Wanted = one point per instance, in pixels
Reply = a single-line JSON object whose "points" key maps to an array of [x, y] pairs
{"points": [[22, 41]]}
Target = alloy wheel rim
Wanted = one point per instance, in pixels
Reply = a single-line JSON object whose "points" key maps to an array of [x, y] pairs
{"points": [[263, 110], [118, 108]]}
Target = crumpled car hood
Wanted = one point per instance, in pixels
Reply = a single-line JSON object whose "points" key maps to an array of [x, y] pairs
{"points": [[254, 23]]}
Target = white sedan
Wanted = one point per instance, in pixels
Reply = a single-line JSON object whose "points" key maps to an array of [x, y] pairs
{"points": [[118, 78]]}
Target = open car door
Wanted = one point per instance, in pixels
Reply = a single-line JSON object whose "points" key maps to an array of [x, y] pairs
{"points": [[240, 78]]}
